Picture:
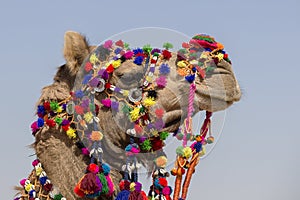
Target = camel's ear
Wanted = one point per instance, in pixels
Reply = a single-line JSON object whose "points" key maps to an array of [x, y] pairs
{"points": [[76, 49]]}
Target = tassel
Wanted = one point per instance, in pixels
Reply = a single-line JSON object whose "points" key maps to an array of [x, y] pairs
{"points": [[110, 184], [89, 185], [103, 181]]}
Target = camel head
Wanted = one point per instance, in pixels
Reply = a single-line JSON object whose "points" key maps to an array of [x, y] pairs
{"points": [[215, 91]]}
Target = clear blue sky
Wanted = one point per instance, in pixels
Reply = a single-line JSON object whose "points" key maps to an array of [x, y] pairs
{"points": [[257, 156]]}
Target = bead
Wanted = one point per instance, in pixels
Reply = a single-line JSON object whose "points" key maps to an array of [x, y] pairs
{"points": [[135, 95], [101, 85], [70, 107]]}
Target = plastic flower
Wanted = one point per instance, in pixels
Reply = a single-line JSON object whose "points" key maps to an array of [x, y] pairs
{"points": [[71, 133]]}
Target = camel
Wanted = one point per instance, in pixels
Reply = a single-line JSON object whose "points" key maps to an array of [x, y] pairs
{"points": [[60, 157]]}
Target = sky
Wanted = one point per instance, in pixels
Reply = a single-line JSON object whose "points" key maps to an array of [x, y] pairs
{"points": [[256, 157]]}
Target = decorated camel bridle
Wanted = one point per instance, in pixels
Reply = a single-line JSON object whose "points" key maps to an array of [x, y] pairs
{"points": [[77, 116]]}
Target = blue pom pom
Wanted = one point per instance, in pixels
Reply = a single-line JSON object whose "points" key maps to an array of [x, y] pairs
{"points": [[138, 60], [194, 69], [43, 180], [118, 50], [41, 110], [128, 148], [190, 78], [164, 69], [40, 122], [79, 94], [124, 195], [138, 50], [106, 169], [86, 79], [198, 147], [31, 193]]}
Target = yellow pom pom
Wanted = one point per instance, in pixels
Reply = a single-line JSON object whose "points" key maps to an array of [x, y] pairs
{"points": [[220, 56], [38, 171], [71, 133], [125, 93], [134, 114], [29, 187], [149, 79], [149, 101], [88, 117], [187, 152], [181, 64], [59, 109], [93, 59], [116, 63], [131, 186]]}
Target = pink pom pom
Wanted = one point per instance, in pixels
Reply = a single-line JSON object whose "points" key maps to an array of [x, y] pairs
{"points": [[108, 44], [161, 81], [166, 191], [22, 182], [34, 126], [128, 54], [106, 102], [35, 162], [135, 150], [85, 151]]}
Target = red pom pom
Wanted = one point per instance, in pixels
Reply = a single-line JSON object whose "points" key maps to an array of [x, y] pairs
{"points": [[185, 45], [157, 144], [50, 122], [120, 43], [47, 105], [153, 61], [159, 112], [138, 129], [163, 182], [93, 168], [66, 127], [107, 85], [167, 54], [79, 110], [110, 69], [78, 191], [88, 66]]}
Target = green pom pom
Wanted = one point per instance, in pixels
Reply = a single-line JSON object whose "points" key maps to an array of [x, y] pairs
{"points": [[209, 69], [163, 135], [183, 51], [126, 109], [179, 150], [155, 54], [126, 45], [147, 48], [92, 107], [146, 145], [168, 45], [103, 181], [58, 120], [58, 197], [54, 105]]}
